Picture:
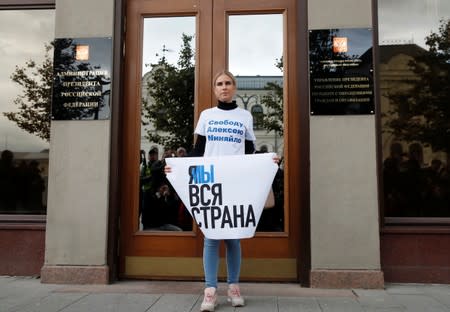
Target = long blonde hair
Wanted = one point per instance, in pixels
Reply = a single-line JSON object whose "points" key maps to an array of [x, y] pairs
{"points": [[224, 72]]}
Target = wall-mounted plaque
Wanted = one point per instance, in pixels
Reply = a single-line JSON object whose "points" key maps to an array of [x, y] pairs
{"points": [[341, 71], [82, 78]]}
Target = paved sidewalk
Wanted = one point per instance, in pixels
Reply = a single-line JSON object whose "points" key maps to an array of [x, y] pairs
{"points": [[24, 294]]}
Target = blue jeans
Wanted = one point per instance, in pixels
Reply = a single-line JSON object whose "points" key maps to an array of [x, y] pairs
{"points": [[211, 260]]}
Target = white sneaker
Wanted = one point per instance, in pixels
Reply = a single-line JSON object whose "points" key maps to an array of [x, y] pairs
{"points": [[209, 300], [234, 296]]}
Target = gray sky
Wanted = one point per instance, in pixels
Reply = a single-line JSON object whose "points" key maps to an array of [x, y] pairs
{"points": [[255, 42], [401, 21], [22, 37], [165, 32]]}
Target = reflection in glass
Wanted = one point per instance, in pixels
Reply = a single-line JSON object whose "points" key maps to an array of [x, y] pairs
{"points": [[25, 85], [341, 79], [255, 57], [167, 114], [82, 78], [415, 80]]}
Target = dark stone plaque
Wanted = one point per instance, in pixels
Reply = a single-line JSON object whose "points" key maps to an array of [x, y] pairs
{"points": [[82, 78], [341, 71]]}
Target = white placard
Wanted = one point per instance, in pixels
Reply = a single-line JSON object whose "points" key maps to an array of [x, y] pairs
{"points": [[225, 195]]}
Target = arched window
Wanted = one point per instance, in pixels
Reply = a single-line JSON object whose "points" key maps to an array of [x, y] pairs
{"points": [[258, 114]]}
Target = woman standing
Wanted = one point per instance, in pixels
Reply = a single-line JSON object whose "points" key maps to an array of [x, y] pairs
{"points": [[223, 130], [239, 125]]}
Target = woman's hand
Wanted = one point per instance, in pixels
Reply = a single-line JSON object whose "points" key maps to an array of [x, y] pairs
{"points": [[167, 169], [276, 159]]}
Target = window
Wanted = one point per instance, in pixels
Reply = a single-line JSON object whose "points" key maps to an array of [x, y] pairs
{"points": [[167, 118], [25, 53], [258, 115], [414, 73]]}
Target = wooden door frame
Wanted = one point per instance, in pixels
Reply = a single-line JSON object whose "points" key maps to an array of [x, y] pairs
{"points": [[296, 118], [133, 46], [298, 181], [301, 172], [112, 256]]}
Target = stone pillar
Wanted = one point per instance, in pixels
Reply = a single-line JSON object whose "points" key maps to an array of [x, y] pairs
{"points": [[345, 247], [76, 233]]}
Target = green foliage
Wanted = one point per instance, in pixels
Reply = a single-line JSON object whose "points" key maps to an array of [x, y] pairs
{"points": [[65, 61], [33, 113], [273, 101], [170, 109], [424, 110]]}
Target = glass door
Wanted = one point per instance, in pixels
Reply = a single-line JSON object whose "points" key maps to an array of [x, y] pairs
{"points": [[255, 40]]}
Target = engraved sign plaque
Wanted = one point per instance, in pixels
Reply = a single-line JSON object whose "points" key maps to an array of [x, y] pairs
{"points": [[341, 71], [82, 78]]}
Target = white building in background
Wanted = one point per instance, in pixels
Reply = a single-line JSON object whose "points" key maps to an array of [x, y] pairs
{"points": [[249, 95]]}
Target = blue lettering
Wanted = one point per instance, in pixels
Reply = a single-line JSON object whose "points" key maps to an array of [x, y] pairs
{"points": [[198, 174]]}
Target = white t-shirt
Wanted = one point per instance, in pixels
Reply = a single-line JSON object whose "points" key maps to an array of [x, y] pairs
{"points": [[225, 130]]}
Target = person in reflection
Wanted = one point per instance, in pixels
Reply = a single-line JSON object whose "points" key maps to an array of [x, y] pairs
{"points": [[436, 192], [35, 186], [8, 182], [165, 210], [184, 217], [148, 186], [161, 207], [224, 86], [392, 180], [181, 152], [142, 172], [272, 218], [413, 182]]}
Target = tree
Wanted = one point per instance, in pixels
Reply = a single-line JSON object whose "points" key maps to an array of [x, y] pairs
{"points": [[33, 115], [273, 101], [170, 105], [95, 86], [34, 105], [423, 111]]}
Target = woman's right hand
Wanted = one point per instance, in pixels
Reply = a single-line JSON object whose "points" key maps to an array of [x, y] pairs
{"points": [[167, 169]]}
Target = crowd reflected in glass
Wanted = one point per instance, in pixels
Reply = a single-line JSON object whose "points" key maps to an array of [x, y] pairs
{"points": [[415, 95]]}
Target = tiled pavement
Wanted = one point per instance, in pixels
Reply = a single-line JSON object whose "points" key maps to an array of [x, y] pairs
{"points": [[25, 294]]}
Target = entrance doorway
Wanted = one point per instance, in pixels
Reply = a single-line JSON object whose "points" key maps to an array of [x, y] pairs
{"points": [[173, 50]]}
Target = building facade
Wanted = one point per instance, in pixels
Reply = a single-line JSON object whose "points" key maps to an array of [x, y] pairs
{"points": [[342, 219]]}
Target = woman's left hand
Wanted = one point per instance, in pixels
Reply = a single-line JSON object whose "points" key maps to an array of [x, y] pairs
{"points": [[276, 159], [167, 169]]}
